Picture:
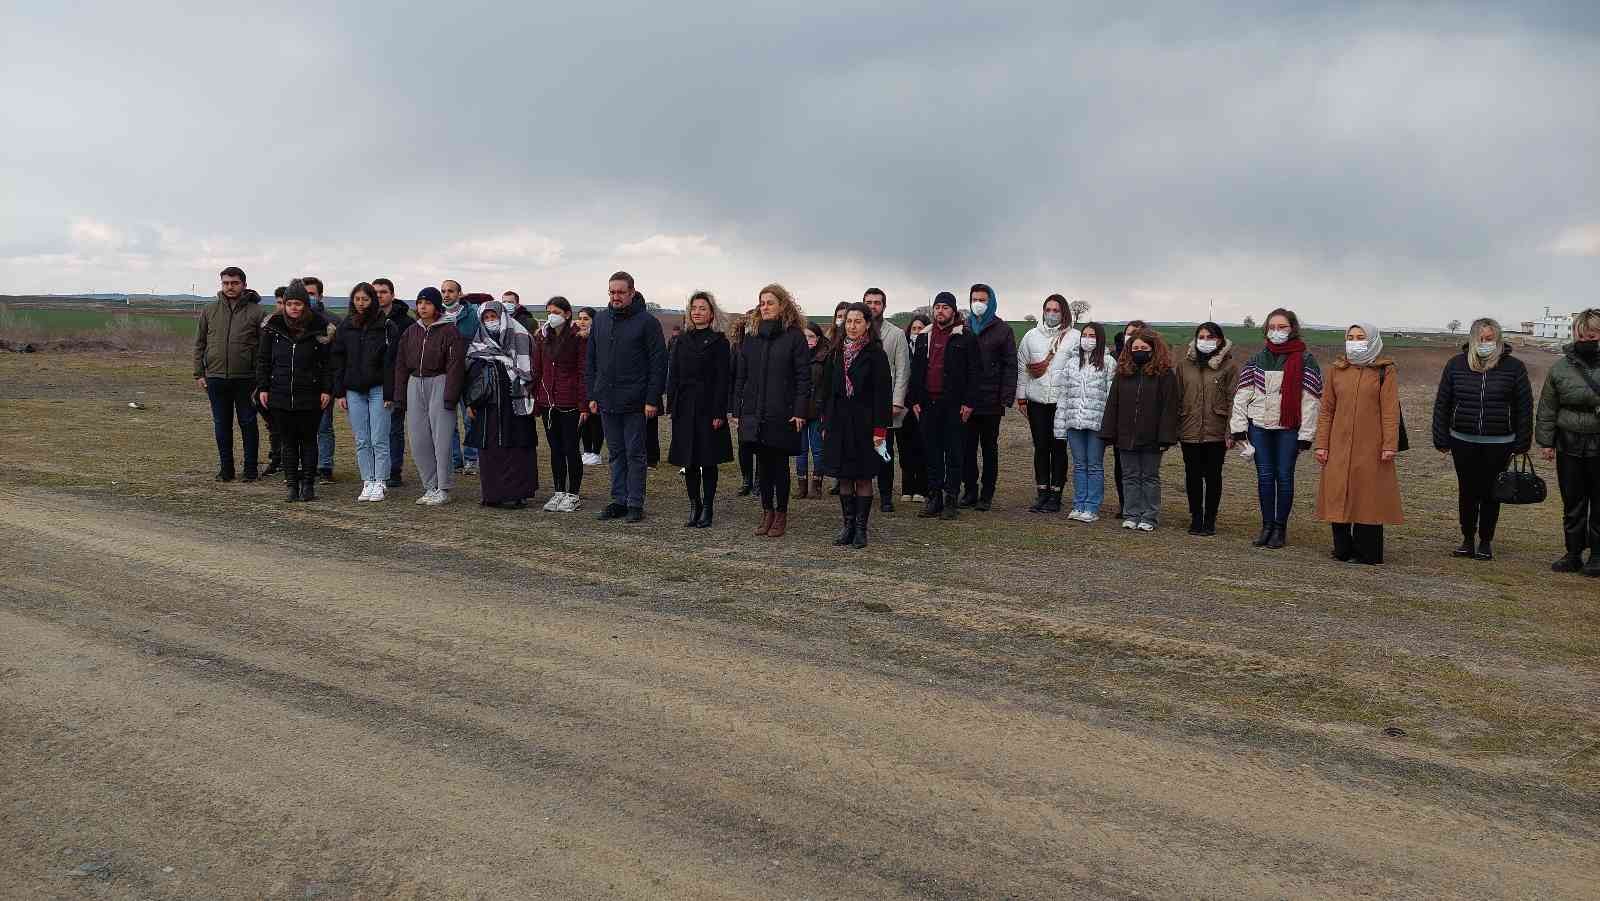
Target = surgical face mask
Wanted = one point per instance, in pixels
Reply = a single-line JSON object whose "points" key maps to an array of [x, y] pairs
{"points": [[838, 321], [1088, 342], [1143, 357], [1487, 349], [1278, 336], [1206, 345], [1356, 348], [1051, 320], [493, 325], [556, 320], [979, 308]]}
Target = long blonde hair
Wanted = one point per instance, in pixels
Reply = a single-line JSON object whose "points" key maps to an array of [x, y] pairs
{"points": [[1484, 364], [711, 301], [788, 311]]}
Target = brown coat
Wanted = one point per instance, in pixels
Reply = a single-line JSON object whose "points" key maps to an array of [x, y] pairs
{"points": [[1358, 421], [1206, 401]]}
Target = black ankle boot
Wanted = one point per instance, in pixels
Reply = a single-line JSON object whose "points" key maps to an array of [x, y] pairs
{"points": [[932, 507], [1038, 501], [1264, 537], [694, 513], [308, 489], [847, 532], [1485, 550], [1278, 538], [705, 511], [1052, 501], [294, 490], [863, 512], [950, 509]]}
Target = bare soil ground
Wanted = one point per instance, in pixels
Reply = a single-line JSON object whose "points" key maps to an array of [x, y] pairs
{"points": [[205, 692]]}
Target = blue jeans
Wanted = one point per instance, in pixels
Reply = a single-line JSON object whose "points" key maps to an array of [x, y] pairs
{"points": [[371, 422], [230, 398], [1277, 450], [1088, 469], [325, 441], [810, 447], [625, 441], [397, 444], [458, 454]]}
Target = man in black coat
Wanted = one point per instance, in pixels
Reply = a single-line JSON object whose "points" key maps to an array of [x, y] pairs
{"points": [[399, 314], [944, 387], [625, 374]]}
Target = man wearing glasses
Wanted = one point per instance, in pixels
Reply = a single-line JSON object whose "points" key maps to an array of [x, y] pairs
{"points": [[225, 366], [625, 373]]}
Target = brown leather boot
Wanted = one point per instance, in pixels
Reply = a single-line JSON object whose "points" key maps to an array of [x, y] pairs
{"points": [[801, 492], [780, 523], [766, 523], [816, 486]]}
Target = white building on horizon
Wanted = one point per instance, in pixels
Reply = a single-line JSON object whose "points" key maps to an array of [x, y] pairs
{"points": [[1558, 328]]}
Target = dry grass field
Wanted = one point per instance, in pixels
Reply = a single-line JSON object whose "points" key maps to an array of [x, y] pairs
{"points": [[206, 692]]}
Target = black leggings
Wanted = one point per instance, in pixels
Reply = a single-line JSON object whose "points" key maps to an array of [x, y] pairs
{"points": [[299, 431], [701, 482], [1202, 478], [1477, 465], [747, 461], [913, 462], [983, 430], [772, 468], [1358, 541], [591, 434], [1049, 452], [566, 461]]}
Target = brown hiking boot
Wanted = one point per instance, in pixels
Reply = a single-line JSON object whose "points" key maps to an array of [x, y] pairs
{"points": [[802, 493], [780, 523], [816, 486], [766, 523]]}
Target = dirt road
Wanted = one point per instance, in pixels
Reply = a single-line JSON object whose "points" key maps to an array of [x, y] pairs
{"points": [[180, 716]]}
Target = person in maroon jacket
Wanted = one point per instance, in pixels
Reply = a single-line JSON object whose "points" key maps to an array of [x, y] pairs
{"points": [[429, 372], [560, 353]]}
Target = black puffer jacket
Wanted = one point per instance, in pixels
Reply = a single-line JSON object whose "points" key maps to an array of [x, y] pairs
{"points": [[364, 357], [773, 385], [295, 370], [997, 368], [1493, 403]]}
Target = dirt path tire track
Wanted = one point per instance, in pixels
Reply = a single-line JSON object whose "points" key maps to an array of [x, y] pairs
{"points": [[285, 740]]}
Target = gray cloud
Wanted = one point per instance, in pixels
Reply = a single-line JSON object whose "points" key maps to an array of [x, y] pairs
{"points": [[1414, 161]]}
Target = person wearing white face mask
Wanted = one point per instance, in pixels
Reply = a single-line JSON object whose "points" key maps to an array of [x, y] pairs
{"points": [[1482, 417], [996, 390], [506, 435], [1207, 377], [1358, 440], [1036, 398], [560, 351], [1275, 409], [1082, 377]]}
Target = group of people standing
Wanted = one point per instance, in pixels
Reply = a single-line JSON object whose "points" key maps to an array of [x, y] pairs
{"points": [[851, 400]]}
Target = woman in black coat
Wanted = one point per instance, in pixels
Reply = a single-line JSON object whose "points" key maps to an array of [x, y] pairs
{"points": [[773, 387], [857, 405], [364, 347], [697, 394], [294, 379]]}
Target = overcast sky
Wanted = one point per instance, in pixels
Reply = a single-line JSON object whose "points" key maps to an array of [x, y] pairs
{"points": [[1404, 162]]}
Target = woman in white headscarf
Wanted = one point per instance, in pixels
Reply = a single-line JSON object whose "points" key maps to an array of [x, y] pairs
{"points": [[508, 437], [1358, 438]]}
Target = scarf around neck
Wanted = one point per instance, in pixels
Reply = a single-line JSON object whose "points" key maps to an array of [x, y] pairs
{"points": [[1294, 374], [512, 348], [852, 349]]}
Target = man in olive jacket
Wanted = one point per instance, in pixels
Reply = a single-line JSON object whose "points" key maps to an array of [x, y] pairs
{"points": [[225, 368]]}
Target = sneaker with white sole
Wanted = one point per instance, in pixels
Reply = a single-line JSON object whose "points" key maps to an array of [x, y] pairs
{"points": [[591, 459], [440, 496], [1147, 527], [1129, 524], [570, 503], [1089, 516], [470, 467], [1075, 516], [426, 499], [379, 492], [554, 503]]}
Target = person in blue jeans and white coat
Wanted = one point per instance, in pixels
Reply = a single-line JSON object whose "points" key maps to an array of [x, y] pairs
{"points": [[363, 382], [1275, 409], [625, 375], [1082, 376]]}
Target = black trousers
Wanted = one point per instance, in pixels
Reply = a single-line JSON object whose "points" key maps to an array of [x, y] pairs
{"points": [[652, 441], [886, 470], [274, 440], [1202, 478], [943, 439], [983, 430], [1116, 473], [299, 431], [1579, 478], [591, 434], [397, 443], [1476, 468], [913, 462], [1049, 452], [772, 470], [1358, 541], [747, 461], [566, 460], [701, 482]]}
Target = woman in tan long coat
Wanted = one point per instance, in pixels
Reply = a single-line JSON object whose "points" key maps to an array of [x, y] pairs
{"points": [[1358, 438]]}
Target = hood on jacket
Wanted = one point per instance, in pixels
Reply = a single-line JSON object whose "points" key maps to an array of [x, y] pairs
{"points": [[399, 309], [979, 323], [249, 296], [1219, 356]]}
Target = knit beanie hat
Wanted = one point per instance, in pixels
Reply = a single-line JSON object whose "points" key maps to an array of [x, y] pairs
{"points": [[945, 298], [431, 295], [296, 290]]}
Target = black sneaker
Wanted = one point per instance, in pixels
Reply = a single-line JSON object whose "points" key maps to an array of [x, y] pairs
{"points": [[612, 511], [1571, 563], [223, 476], [968, 498], [1485, 550], [324, 475], [394, 482], [635, 514], [1465, 550], [983, 504], [250, 474]]}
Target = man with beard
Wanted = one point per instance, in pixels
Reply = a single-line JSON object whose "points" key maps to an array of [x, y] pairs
{"points": [[898, 350], [943, 390], [398, 313], [625, 374], [225, 367]]}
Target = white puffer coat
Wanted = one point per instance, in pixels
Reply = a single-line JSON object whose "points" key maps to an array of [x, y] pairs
{"points": [[1035, 346], [1081, 390]]}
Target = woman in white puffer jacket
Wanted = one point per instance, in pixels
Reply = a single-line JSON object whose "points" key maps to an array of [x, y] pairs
{"points": [[1082, 377], [1036, 398]]}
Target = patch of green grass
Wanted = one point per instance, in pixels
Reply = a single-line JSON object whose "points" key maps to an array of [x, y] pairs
{"points": [[54, 322]]}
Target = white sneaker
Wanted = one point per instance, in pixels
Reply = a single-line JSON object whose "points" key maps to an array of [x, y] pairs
{"points": [[426, 499], [379, 492], [1089, 516], [1075, 515], [591, 459], [554, 503], [470, 467], [1129, 524], [440, 496], [571, 503], [1147, 527]]}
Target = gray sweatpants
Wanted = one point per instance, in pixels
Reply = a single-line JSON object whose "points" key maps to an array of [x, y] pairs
{"points": [[1141, 482], [430, 424]]}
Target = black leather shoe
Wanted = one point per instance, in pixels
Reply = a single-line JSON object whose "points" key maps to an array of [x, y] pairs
{"points": [[612, 511], [983, 504], [886, 505], [1052, 501], [223, 476], [704, 522], [932, 507], [863, 513], [847, 530], [969, 497], [1263, 538], [1465, 550], [950, 509], [294, 492], [308, 490], [635, 514], [1485, 551], [1571, 563], [250, 474], [394, 482], [694, 516], [1278, 538], [1038, 501]]}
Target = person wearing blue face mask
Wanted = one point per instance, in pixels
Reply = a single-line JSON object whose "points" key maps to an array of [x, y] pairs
{"points": [[1482, 417], [996, 390]]}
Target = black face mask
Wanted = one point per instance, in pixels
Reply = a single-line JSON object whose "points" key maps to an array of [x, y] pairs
{"points": [[1587, 349], [1143, 357]]}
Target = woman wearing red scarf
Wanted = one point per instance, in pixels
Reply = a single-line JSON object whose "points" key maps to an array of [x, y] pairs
{"points": [[856, 400], [1275, 408]]}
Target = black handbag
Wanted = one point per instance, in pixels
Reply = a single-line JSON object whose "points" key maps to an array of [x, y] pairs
{"points": [[1405, 439], [1520, 484], [480, 384]]}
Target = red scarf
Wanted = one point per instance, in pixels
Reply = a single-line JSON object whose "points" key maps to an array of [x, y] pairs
{"points": [[1294, 380], [852, 348]]}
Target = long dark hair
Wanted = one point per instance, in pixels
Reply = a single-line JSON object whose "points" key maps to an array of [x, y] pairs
{"points": [[568, 335], [1096, 357], [359, 318], [872, 327]]}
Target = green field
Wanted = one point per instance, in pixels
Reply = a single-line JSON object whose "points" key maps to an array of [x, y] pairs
{"points": [[53, 322]]}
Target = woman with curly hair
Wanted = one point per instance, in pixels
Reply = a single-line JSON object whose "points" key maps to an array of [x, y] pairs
{"points": [[773, 387], [1141, 422]]}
